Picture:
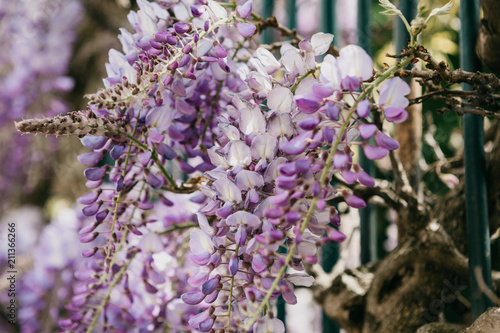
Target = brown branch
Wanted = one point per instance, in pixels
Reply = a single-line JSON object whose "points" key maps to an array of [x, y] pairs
{"points": [[487, 80], [477, 111]]}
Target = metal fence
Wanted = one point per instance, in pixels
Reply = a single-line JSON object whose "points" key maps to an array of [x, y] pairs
{"points": [[476, 196]]}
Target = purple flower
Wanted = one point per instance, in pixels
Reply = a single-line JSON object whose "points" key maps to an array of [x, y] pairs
{"points": [[374, 153], [193, 297], [245, 9], [355, 66], [246, 29], [393, 101], [363, 108], [353, 201], [367, 130], [385, 141]]}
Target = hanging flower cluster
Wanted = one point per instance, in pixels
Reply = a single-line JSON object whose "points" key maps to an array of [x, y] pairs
{"points": [[261, 139], [36, 41]]}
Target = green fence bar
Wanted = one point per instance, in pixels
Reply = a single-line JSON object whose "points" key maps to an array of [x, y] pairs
{"points": [[329, 252], [401, 36], [267, 11], [327, 18], [476, 201], [368, 226], [292, 14]]}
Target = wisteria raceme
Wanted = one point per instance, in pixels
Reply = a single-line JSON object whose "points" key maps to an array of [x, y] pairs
{"points": [[36, 40], [260, 138]]}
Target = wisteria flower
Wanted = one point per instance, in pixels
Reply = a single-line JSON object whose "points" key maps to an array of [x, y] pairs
{"points": [[393, 101]]}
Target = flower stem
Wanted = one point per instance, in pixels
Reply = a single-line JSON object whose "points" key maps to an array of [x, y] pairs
{"points": [[106, 298], [154, 157], [231, 293]]}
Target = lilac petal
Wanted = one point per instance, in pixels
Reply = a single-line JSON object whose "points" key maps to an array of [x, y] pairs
{"points": [[367, 130], [396, 115], [393, 92], [289, 297], [335, 220], [246, 29], [94, 142], [302, 165], [305, 45], [197, 319], [155, 136], [365, 179], [101, 215], [186, 58], [89, 228], [350, 83], [197, 10], [149, 287], [89, 237], [307, 105], [322, 91], [144, 157], [145, 206], [223, 65], [209, 286], [374, 153], [181, 27], [279, 199], [91, 209], [339, 160], [94, 174], [243, 218], [198, 279], [206, 325], [233, 265], [154, 181], [192, 297], [287, 169], [363, 108], [166, 151], [93, 184], [220, 52], [293, 216], [273, 213], [332, 111], [309, 123], [116, 152], [245, 9], [155, 44], [297, 145], [258, 264], [224, 211], [89, 252], [349, 176], [385, 141], [88, 198], [201, 258], [90, 159], [335, 235], [161, 36], [241, 235], [286, 182], [354, 201]]}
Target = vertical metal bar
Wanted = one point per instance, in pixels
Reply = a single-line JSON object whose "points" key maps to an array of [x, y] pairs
{"points": [[292, 14], [267, 11], [281, 305], [476, 204], [401, 36], [368, 226], [328, 17], [329, 252]]}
